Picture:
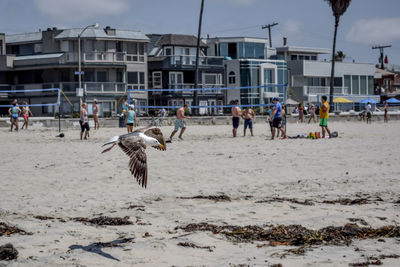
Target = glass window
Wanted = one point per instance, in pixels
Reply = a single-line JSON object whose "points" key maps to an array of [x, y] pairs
{"points": [[168, 51], [157, 79], [370, 85], [293, 57], [133, 77], [88, 76], [313, 57], [231, 77], [141, 48], [223, 49], [307, 57], [301, 57], [347, 83], [120, 76], [132, 48], [363, 85], [102, 76], [337, 82], [354, 85], [141, 77]]}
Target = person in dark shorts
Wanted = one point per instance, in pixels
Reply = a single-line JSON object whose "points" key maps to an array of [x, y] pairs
{"points": [[84, 121], [248, 116], [236, 113], [277, 118]]}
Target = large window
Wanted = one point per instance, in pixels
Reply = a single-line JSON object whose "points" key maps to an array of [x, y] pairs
{"points": [[347, 83], [101, 76], [355, 85], [363, 85], [136, 80], [212, 78], [370, 85], [135, 52]]}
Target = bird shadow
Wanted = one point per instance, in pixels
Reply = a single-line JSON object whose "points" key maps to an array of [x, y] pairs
{"points": [[98, 246]]}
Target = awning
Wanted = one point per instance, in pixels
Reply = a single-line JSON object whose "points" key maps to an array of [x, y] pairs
{"points": [[290, 101], [370, 100], [341, 100], [393, 101]]}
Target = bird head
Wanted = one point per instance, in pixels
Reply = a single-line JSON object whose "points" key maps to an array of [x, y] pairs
{"points": [[154, 143]]}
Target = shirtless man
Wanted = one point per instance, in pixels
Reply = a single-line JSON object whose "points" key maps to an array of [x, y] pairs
{"points": [[96, 114], [248, 116], [179, 124], [14, 112], [236, 113]]}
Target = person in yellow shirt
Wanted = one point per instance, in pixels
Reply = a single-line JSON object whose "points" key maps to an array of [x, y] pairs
{"points": [[324, 116]]}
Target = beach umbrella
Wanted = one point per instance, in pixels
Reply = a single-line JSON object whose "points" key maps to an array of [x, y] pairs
{"points": [[341, 100], [370, 100], [393, 101]]}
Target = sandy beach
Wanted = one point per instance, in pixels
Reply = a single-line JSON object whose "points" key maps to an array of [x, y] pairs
{"points": [[259, 182]]}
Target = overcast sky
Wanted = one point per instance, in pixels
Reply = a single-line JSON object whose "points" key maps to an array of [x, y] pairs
{"points": [[304, 22]]}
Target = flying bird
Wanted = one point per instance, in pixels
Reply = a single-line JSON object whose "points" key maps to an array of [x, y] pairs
{"points": [[134, 145]]}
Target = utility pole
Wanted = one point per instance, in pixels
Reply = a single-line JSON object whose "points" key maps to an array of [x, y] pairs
{"points": [[269, 26], [381, 47], [196, 69]]}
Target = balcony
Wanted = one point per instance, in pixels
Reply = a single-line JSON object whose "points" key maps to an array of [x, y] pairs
{"points": [[189, 62], [104, 57], [191, 86], [70, 87], [312, 92]]}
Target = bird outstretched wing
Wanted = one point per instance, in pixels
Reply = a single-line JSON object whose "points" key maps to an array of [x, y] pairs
{"points": [[135, 148]]}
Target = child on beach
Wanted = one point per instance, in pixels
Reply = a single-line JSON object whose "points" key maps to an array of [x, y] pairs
{"points": [[25, 114], [14, 113]]}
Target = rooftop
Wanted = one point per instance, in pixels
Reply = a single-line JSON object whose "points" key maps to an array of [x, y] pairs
{"points": [[178, 40], [24, 37], [300, 49], [237, 39]]}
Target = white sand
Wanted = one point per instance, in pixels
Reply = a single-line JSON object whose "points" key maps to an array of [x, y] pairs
{"points": [[66, 178]]}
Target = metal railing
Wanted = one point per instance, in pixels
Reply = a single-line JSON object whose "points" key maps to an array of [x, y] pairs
{"points": [[190, 60], [191, 86], [104, 57], [315, 90]]}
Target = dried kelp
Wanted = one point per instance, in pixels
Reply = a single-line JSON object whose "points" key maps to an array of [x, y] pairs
{"points": [[192, 245], [216, 198], [6, 229], [104, 220], [296, 235], [306, 202]]}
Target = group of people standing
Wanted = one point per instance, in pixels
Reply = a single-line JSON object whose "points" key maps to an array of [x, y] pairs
{"points": [[84, 119], [15, 112]]}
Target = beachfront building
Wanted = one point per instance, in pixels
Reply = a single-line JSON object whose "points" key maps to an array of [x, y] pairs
{"points": [[112, 61], [309, 77], [249, 64], [172, 60]]}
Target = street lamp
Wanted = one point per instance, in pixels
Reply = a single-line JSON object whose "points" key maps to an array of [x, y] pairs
{"points": [[79, 58]]}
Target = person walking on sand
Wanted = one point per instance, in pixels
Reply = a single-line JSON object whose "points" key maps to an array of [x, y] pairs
{"points": [[248, 116], [386, 107], [312, 114], [270, 111], [130, 118], [301, 113], [236, 113], [84, 121], [14, 113], [96, 114], [179, 123], [368, 107], [25, 114], [277, 119], [324, 116]]}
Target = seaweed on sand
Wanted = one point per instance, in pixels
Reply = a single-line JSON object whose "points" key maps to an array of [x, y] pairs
{"points": [[6, 229], [8, 252], [104, 220]]}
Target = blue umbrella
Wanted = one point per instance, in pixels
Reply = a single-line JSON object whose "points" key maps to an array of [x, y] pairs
{"points": [[393, 101], [370, 100]]}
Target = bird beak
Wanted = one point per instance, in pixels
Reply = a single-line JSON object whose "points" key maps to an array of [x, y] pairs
{"points": [[161, 146]]}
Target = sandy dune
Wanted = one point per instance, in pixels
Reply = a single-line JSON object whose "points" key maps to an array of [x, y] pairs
{"points": [[42, 175]]}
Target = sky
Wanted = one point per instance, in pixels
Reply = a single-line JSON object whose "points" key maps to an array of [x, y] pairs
{"points": [[308, 23]]}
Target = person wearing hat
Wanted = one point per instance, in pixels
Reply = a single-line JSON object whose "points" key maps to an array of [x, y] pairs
{"points": [[130, 118], [277, 118]]}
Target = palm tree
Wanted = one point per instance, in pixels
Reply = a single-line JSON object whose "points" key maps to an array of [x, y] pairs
{"points": [[340, 56], [338, 9]]}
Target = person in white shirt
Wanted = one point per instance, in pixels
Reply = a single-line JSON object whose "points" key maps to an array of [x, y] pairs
{"points": [[369, 112]]}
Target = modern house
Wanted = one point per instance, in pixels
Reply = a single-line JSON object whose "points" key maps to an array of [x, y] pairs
{"points": [[309, 77], [112, 61], [248, 64], [172, 60]]}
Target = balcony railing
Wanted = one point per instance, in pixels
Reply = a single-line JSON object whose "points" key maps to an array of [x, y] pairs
{"points": [[191, 86], [324, 90], [103, 57], [68, 87], [191, 61]]}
